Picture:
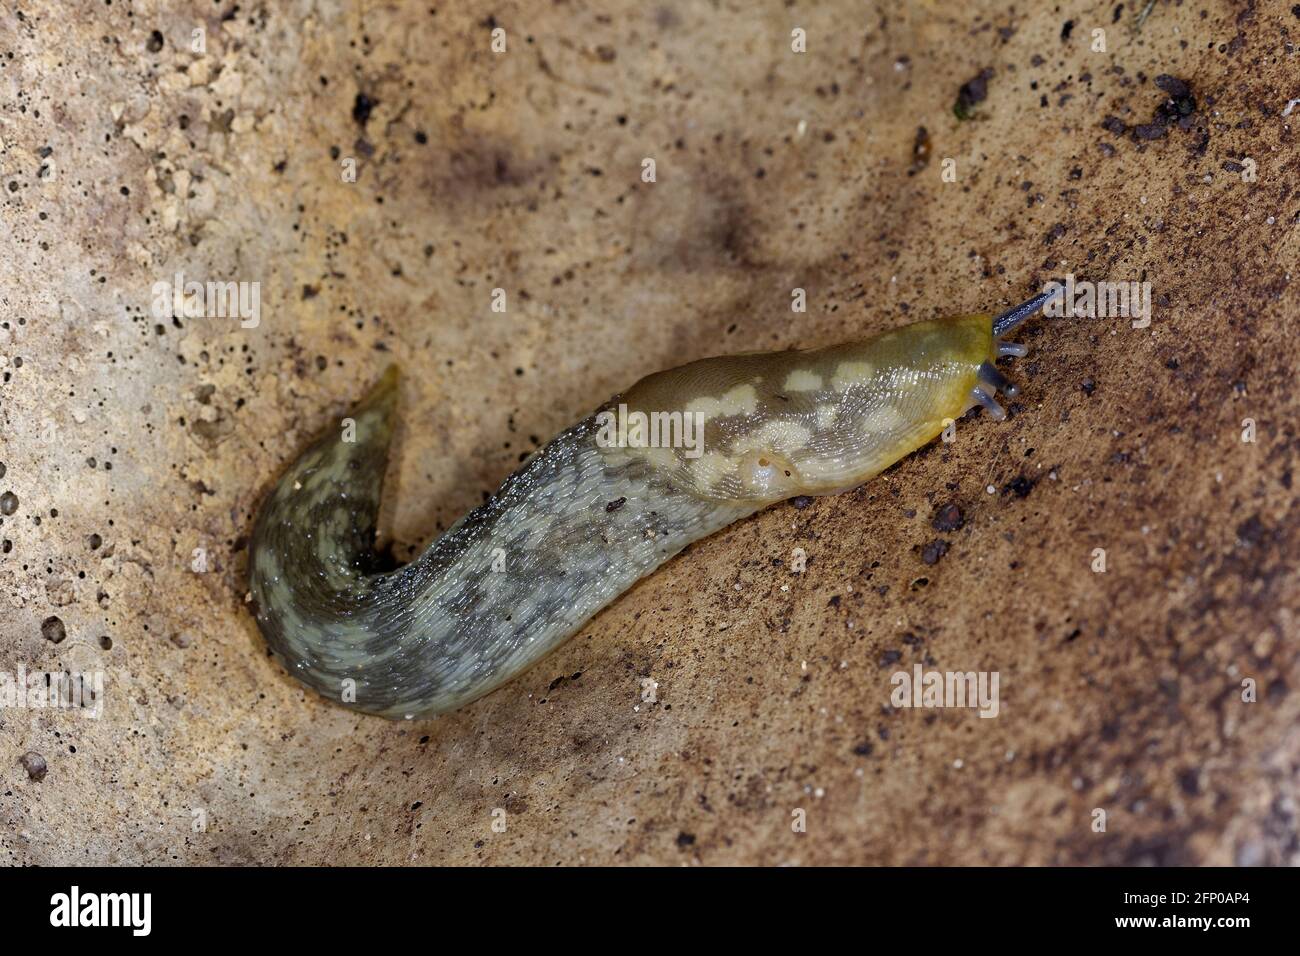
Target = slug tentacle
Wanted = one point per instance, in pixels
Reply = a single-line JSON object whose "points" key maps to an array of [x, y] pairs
{"points": [[990, 404], [1021, 313], [681, 454], [995, 380]]}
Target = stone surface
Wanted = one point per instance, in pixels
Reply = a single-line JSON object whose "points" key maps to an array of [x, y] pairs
{"points": [[129, 442]]}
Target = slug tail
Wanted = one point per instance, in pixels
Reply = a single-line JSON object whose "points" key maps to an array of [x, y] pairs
{"points": [[311, 555]]}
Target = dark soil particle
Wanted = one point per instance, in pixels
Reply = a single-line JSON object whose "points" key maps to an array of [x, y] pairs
{"points": [[685, 839], [52, 630], [615, 505], [1251, 531], [973, 91], [1149, 131], [1020, 486], [1176, 88], [921, 148], [933, 551], [1177, 109], [8, 503], [948, 518], [801, 501], [155, 43], [34, 764], [563, 678], [361, 108]]}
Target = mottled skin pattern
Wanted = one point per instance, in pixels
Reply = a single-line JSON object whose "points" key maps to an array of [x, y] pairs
{"points": [[822, 421], [582, 520], [566, 534]]}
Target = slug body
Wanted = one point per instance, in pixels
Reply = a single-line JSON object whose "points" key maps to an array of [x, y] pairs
{"points": [[681, 454]]}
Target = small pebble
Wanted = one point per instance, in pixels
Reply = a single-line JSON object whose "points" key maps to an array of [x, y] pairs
{"points": [[52, 630], [34, 764]]}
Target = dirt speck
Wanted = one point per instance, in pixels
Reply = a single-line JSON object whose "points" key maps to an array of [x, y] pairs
{"points": [[934, 550], [948, 517], [973, 91], [1020, 486], [362, 107]]}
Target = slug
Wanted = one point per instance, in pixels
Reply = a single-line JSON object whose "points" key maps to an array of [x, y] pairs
{"points": [[681, 454]]}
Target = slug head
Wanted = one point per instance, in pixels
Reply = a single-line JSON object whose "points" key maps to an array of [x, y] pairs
{"points": [[760, 427]]}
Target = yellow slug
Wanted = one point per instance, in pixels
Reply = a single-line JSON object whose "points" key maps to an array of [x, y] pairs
{"points": [[681, 454]]}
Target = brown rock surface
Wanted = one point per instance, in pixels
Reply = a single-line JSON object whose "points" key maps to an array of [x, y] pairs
{"points": [[129, 442]]}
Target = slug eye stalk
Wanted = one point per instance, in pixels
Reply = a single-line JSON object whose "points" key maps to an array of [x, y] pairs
{"points": [[1017, 315], [991, 380]]}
